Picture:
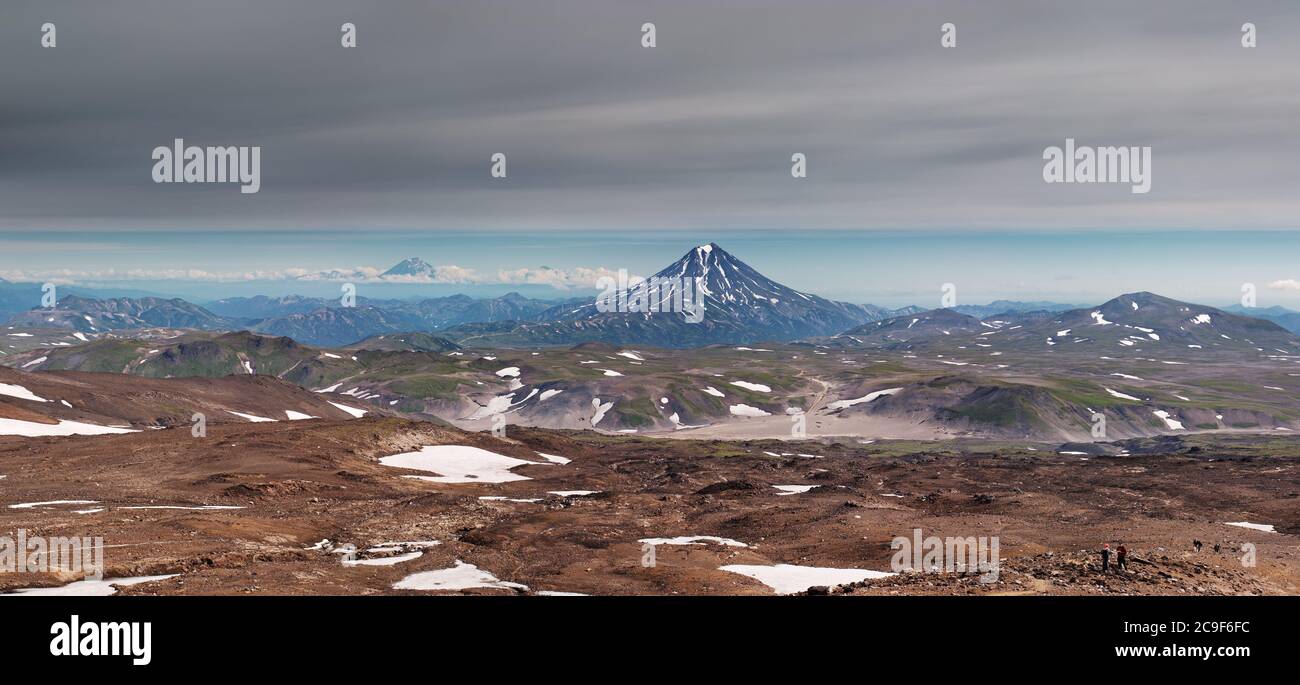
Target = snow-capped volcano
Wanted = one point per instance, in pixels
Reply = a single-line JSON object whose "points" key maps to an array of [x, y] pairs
{"points": [[729, 282], [411, 266], [735, 291], [740, 305]]}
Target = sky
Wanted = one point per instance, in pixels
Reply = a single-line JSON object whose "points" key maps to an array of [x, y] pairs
{"points": [[925, 164]]}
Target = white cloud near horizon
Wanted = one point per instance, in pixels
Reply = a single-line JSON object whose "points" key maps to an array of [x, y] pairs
{"points": [[1285, 284], [449, 274], [562, 279]]}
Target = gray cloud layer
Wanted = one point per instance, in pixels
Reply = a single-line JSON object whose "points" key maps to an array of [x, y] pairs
{"points": [[601, 132]]}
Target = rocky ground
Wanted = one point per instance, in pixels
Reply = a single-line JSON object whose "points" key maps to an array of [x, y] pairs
{"points": [[299, 483], [1163, 572]]}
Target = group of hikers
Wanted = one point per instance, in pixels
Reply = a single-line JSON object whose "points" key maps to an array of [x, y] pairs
{"points": [[1121, 555], [1197, 545], [1121, 558]]}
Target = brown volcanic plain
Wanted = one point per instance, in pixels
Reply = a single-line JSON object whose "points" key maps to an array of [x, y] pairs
{"points": [[297, 483]]}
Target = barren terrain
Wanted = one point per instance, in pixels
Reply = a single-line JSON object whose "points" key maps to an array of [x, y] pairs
{"points": [[303, 482]]}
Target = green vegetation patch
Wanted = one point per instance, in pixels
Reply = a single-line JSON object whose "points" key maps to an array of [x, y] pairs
{"points": [[437, 387]]}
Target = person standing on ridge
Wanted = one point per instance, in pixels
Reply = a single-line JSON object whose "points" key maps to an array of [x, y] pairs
{"points": [[1121, 559], [1105, 557]]}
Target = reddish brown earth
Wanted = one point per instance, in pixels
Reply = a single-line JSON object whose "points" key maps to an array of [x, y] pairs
{"points": [[303, 481]]}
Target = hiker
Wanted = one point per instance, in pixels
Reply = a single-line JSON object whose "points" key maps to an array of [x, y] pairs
{"points": [[1121, 559], [1105, 557], [1197, 545], [1216, 548]]}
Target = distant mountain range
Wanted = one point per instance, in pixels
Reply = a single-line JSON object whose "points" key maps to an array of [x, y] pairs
{"points": [[93, 316], [1150, 363], [1279, 315], [921, 325], [405, 342], [1134, 321], [981, 311], [263, 307], [313, 321], [328, 323], [740, 306], [16, 298], [334, 327]]}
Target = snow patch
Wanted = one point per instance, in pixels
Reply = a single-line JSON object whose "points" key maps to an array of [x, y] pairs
{"points": [[1266, 527], [250, 417], [462, 576], [842, 404], [384, 561], [52, 503], [756, 387], [1169, 421], [692, 540], [458, 464], [1120, 395], [20, 392], [554, 459], [89, 588], [30, 429], [600, 409], [356, 413], [787, 579]]}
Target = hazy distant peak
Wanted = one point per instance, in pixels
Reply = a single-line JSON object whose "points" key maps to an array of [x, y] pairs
{"points": [[411, 266]]}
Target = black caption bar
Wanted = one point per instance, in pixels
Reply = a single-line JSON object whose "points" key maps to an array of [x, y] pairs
{"points": [[317, 633]]}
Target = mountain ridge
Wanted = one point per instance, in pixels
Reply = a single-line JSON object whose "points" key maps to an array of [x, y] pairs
{"points": [[740, 305]]}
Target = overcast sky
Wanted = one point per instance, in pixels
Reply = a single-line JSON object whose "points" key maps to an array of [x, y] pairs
{"points": [[635, 154], [601, 133]]}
